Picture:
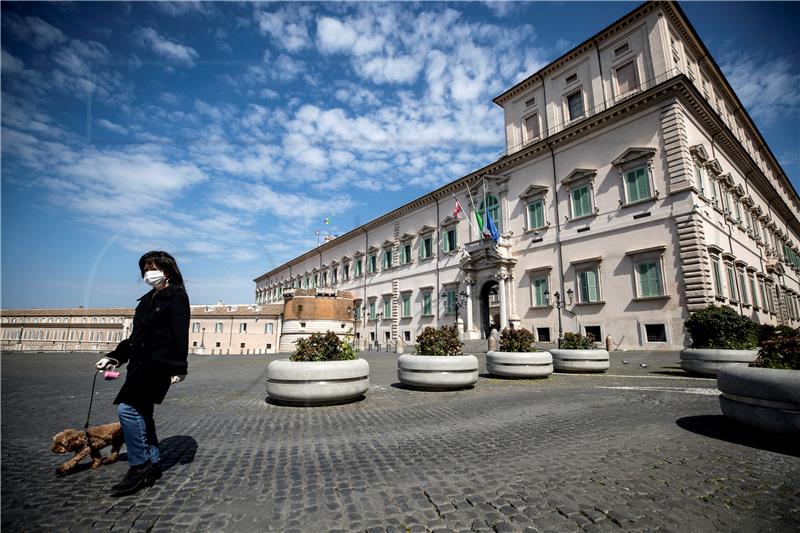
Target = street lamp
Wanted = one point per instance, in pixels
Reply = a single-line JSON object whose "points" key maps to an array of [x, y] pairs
{"points": [[461, 301], [202, 338], [559, 304]]}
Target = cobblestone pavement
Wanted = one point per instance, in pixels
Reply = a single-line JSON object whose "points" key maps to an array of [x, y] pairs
{"points": [[634, 449]]}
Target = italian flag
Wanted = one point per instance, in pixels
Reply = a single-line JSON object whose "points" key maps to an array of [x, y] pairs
{"points": [[458, 210]]}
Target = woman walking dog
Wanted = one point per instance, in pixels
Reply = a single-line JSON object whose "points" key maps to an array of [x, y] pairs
{"points": [[156, 352]]}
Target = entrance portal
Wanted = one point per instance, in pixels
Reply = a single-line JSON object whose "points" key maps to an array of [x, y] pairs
{"points": [[490, 308]]}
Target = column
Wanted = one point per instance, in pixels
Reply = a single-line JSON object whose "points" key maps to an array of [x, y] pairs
{"points": [[468, 326], [501, 290]]}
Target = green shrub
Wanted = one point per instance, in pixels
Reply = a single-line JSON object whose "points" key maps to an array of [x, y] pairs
{"points": [[516, 340], [768, 332], [576, 341], [781, 350], [443, 341], [721, 327], [324, 347]]}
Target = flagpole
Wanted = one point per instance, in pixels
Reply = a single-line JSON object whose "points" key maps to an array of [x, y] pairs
{"points": [[465, 215], [472, 202]]}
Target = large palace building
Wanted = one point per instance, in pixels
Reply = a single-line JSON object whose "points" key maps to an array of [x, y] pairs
{"points": [[635, 188]]}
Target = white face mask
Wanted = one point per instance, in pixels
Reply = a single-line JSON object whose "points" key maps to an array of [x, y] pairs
{"points": [[154, 278]]}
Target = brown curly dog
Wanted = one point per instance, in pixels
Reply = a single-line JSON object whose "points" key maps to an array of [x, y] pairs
{"points": [[74, 440]]}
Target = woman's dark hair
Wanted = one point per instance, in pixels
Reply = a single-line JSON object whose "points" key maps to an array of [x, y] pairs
{"points": [[166, 263]]}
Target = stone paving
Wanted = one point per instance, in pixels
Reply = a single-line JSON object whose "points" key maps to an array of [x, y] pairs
{"points": [[636, 449]]}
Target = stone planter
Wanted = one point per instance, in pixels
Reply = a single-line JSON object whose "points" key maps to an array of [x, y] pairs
{"points": [[707, 361], [317, 382], [565, 360], [519, 364], [764, 398], [437, 373]]}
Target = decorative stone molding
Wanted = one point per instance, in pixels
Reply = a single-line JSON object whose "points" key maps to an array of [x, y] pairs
{"points": [[680, 170], [694, 263]]}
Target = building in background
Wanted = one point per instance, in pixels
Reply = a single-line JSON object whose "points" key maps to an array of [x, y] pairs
{"points": [[213, 329], [634, 189]]}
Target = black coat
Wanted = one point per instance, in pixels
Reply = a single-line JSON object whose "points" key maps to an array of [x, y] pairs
{"points": [[157, 347]]}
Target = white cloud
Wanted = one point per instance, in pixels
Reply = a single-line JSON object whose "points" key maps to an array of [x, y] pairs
{"points": [[165, 48], [185, 7], [768, 87], [10, 64], [110, 126], [288, 26], [33, 30]]}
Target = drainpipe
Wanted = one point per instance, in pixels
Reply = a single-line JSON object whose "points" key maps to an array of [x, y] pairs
{"points": [[364, 276], [600, 66], [558, 226], [438, 252]]}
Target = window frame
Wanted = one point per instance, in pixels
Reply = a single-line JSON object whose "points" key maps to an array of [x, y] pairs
{"points": [[427, 238], [405, 307], [427, 302], [636, 81], [536, 201], [577, 92], [589, 195], [406, 252], [544, 276], [387, 307], [446, 234], [594, 268], [496, 210], [526, 137]]}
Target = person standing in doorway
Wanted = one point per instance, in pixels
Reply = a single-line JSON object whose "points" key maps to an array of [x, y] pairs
{"points": [[156, 352]]}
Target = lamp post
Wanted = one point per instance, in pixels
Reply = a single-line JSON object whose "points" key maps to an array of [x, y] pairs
{"points": [[460, 301], [351, 311], [378, 317], [559, 304], [202, 339]]}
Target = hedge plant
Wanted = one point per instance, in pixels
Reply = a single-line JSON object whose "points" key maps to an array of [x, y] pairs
{"points": [[516, 340], [443, 342], [576, 341], [324, 347], [781, 350], [721, 328]]}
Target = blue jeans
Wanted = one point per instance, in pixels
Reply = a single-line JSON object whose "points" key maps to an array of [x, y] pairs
{"points": [[139, 430]]}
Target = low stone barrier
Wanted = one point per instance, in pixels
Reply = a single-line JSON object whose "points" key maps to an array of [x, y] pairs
{"points": [[565, 360], [764, 398], [317, 382], [519, 364], [708, 361], [437, 373]]}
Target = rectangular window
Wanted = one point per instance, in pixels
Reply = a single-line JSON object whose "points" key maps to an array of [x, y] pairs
{"points": [[407, 336], [358, 268], [581, 201], [371, 310], [218, 327], [717, 271], [731, 283], [427, 305], [650, 283], [531, 127], [743, 288], [406, 305], [450, 303], [594, 332], [753, 294], [698, 177], [637, 184], [334, 276], [589, 288], [387, 258], [426, 247], [346, 271], [324, 279], [449, 242], [387, 308], [543, 334], [656, 332], [575, 105], [765, 302], [268, 327], [536, 214], [405, 253], [372, 264], [195, 327], [621, 50], [242, 327], [737, 213], [626, 78], [539, 286]]}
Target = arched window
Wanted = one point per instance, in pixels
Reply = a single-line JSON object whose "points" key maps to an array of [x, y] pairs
{"points": [[494, 209]]}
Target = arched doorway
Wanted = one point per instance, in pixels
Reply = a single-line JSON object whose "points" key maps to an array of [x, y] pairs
{"points": [[490, 308]]}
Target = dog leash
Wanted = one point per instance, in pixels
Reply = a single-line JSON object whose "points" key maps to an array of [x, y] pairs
{"points": [[91, 401]]}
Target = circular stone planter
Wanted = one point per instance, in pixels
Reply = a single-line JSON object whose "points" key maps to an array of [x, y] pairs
{"points": [[764, 398], [565, 360], [707, 361], [519, 364], [434, 372], [317, 382]]}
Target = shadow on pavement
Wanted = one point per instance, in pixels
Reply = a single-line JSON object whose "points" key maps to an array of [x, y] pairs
{"points": [[179, 449], [721, 428]]}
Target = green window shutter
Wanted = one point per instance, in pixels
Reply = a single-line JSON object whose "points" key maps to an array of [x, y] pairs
{"points": [[445, 243], [588, 286], [539, 286], [536, 214], [717, 278], [649, 280], [426, 303]]}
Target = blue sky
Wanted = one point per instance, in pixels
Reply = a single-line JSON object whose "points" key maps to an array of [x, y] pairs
{"points": [[225, 133]]}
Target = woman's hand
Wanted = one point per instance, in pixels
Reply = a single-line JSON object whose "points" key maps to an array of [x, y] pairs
{"points": [[106, 363], [177, 379]]}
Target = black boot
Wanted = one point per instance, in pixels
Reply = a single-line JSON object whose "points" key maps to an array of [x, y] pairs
{"points": [[137, 477]]}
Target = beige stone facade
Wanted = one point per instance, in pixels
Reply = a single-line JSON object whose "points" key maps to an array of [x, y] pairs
{"points": [[634, 184], [213, 329]]}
